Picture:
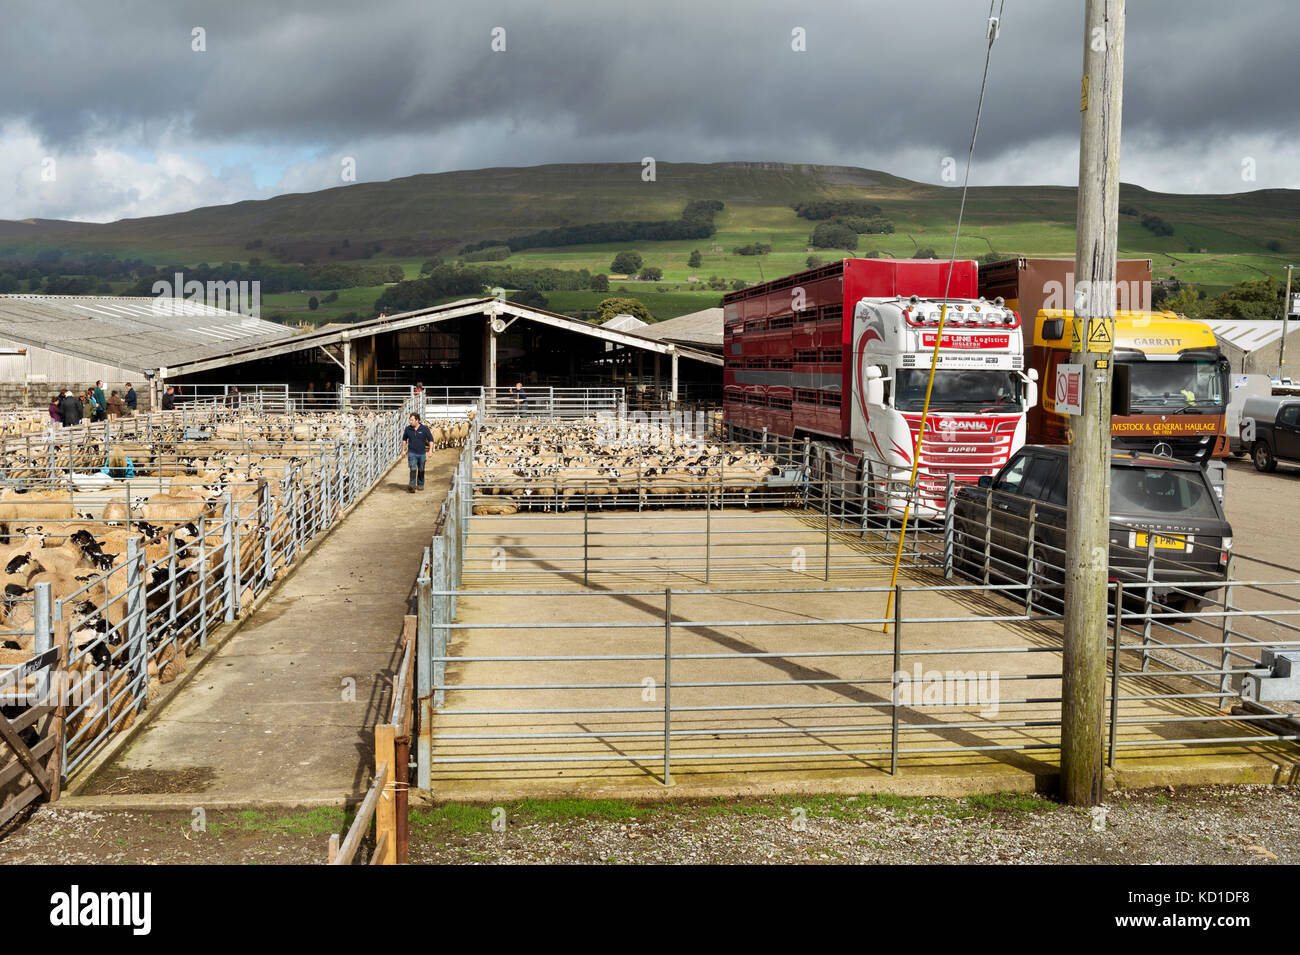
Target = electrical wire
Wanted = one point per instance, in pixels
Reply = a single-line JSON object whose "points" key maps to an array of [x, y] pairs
{"points": [[993, 30]]}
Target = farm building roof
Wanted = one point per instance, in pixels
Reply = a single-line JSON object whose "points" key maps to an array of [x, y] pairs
{"points": [[138, 333], [1249, 336], [702, 329], [624, 323], [238, 353]]}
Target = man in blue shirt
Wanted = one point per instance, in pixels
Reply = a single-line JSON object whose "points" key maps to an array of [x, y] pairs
{"points": [[415, 445], [131, 400]]}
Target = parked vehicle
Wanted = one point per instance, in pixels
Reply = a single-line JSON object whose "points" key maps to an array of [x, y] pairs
{"points": [[841, 354], [1270, 427], [1244, 387], [1164, 518]]}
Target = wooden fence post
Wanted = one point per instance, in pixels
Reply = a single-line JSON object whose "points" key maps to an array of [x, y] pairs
{"points": [[386, 808]]}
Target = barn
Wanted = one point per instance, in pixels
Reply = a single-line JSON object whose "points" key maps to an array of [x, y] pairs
{"points": [[48, 342], [1255, 347], [51, 342]]}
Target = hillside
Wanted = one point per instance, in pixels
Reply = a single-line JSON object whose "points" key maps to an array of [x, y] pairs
{"points": [[1217, 239]]}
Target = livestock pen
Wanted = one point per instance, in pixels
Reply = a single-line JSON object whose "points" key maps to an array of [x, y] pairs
{"points": [[689, 637], [138, 573]]}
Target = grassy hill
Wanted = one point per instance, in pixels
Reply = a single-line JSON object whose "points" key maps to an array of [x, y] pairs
{"points": [[1217, 239]]}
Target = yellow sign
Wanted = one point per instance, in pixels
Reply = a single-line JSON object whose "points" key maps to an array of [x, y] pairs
{"points": [[1101, 334], [1075, 342]]}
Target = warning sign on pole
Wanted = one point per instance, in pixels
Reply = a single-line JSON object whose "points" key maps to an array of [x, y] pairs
{"points": [[1101, 334], [1068, 393]]}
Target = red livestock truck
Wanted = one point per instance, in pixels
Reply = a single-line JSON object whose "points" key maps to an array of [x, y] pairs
{"points": [[841, 354]]}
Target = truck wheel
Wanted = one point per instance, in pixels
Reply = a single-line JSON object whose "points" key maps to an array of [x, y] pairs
{"points": [[1263, 457]]}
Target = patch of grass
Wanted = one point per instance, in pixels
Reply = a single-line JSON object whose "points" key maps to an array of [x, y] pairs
{"points": [[1011, 802], [322, 821]]}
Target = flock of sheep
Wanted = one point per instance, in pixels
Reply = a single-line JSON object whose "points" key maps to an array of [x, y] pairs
{"points": [[550, 465], [76, 540]]}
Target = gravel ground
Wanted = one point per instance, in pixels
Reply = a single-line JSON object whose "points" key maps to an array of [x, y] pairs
{"points": [[1214, 825]]}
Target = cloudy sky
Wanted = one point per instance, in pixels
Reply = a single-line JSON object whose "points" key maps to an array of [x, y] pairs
{"points": [[140, 107]]}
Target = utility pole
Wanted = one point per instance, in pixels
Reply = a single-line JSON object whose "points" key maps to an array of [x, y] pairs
{"points": [[1087, 547], [1286, 313]]}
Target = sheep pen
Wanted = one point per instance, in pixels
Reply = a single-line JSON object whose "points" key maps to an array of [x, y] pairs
{"points": [[144, 535], [600, 462]]}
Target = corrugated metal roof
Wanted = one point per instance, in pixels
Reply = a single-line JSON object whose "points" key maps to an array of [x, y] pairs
{"points": [[624, 323], [135, 333], [702, 328], [1250, 335]]}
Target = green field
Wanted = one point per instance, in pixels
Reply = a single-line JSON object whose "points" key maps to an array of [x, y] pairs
{"points": [[294, 304], [1218, 240]]}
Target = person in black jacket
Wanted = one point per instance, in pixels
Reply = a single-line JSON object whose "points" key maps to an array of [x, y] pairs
{"points": [[70, 406], [169, 399], [415, 445], [131, 399]]}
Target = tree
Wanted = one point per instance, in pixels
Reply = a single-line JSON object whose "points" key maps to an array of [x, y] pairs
{"points": [[1183, 302], [1248, 300], [1273, 245], [313, 303], [738, 284], [651, 274], [530, 297], [833, 235], [396, 273], [600, 282], [609, 307], [626, 263], [694, 261], [7, 283], [926, 253], [813, 261]]}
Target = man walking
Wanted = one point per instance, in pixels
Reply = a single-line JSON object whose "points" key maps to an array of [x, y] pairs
{"points": [[415, 445]]}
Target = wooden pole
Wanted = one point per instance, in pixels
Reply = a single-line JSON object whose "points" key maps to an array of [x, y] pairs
{"points": [[386, 808], [1088, 512]]}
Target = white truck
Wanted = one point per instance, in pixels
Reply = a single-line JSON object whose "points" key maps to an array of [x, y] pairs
{"points": [[978, 403]]}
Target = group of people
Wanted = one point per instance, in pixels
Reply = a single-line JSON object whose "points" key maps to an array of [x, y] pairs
{"points": [[69, 408]]}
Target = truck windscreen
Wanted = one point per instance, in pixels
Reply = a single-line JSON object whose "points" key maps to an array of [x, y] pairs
{"points": [[962, 389], [1163, 385]]}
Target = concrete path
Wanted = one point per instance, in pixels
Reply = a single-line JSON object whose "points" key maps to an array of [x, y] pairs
{"points": [[284, 712]]}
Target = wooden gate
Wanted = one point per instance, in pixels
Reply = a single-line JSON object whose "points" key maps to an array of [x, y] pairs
{"points": [[32, 710]]}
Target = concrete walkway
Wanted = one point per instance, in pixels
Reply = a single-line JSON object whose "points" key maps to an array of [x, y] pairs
{"points": [[284, 712]]}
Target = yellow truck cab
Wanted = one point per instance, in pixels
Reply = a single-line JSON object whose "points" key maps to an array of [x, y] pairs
{"points": [[1177, 384]]}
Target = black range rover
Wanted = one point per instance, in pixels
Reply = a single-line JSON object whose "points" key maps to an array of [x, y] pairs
{"points": [[1158, 507]]}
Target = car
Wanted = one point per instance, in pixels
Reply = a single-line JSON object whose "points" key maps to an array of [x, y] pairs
{"points": [[1162, 511], [1270, 430]]}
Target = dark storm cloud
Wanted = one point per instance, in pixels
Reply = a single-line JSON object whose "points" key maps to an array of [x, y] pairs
{"points": [[690, 80]]}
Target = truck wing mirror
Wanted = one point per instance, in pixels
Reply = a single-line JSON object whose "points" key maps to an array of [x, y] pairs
{"points": [[1119, 390], [1054, 329], [985, 482], [873, 386]]}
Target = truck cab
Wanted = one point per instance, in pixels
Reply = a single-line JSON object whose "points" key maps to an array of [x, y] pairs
{"points": [[977, 404]]}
